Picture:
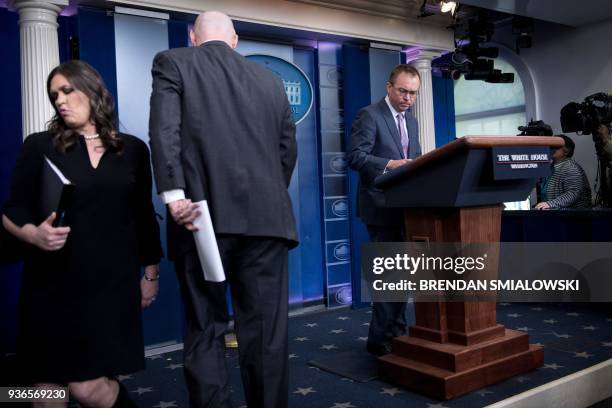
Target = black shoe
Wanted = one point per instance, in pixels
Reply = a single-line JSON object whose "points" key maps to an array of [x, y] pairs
{"points": [[378, 349]]}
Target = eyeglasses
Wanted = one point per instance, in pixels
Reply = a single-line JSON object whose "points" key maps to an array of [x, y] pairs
{"points": [[405, 92]]}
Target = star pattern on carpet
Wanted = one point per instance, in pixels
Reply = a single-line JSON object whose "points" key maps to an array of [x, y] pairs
{"points": [[304, 391], [551, 321], [438, 405], [173, 366], [391, 391], [537, 309], [343, 318], [142, 390], [570, 349], [590, 327], [553, 366], [483, 392], [165, 404]]}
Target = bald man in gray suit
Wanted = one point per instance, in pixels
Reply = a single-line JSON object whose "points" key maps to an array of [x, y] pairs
{"points": [[222, 130]]}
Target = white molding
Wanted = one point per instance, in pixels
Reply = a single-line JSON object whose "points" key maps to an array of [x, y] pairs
{"points": [[154, 350], [388, 47], [581, 389], [142, 13]]}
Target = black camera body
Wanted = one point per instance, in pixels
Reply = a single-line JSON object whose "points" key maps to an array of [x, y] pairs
{"points": [[586, 117], [535, 128]]}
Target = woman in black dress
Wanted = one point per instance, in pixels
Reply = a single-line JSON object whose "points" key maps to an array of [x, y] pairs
{"points": [[81, 294]]}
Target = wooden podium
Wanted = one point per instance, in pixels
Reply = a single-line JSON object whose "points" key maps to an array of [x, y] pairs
{"points": [[453, 195]]}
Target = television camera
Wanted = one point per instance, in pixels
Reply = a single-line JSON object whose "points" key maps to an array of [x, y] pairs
{"points": [[585, 118]]}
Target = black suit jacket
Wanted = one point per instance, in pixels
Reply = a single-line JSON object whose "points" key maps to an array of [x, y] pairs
{"points": [[222, 130], [375, 140]]}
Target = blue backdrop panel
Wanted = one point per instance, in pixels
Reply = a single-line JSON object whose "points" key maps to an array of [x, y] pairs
{"points": [[310, 191], [96, 35], [356, 96], [10, 142], [444, 109], [334, 173], [178, 34], [67, 31]]}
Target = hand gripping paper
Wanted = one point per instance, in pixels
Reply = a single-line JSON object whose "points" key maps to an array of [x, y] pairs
{"points": [[206, 244]]}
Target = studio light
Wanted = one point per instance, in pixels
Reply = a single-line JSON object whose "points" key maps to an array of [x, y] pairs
{"points": [[448, 7]]}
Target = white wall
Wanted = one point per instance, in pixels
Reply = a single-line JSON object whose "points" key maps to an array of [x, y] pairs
{"points": [[567, 64]]}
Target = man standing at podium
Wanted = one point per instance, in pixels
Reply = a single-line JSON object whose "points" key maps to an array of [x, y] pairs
{"points": [[385, 136]]}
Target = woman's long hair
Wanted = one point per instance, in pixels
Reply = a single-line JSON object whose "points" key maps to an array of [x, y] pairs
{"points": [[86, 79]]}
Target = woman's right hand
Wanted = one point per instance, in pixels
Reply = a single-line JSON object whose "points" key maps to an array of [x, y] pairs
{"points": [[46, 236]]}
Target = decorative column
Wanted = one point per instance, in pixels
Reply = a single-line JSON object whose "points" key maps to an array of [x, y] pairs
{"points": [[39, 55], [421, 60]]}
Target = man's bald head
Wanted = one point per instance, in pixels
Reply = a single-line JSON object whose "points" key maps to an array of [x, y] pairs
{"points": [[213, 25]]}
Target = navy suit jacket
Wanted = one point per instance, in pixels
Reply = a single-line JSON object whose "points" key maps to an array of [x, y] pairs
{"points": [[375, 140]]}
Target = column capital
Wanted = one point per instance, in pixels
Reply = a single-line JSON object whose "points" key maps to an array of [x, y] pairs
{"points": [[417, 54], [44, 11]]}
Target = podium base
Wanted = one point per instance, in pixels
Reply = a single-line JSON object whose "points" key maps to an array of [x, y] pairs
{"points": [[447, 370]]}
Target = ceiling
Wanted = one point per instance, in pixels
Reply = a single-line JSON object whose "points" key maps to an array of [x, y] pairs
{"points": [[576, 13], [399, 9]]}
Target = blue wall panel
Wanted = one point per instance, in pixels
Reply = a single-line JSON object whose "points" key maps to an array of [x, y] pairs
{"points": [[444, 109], [10, 142], [310, 190], [356, 96], [96, 34], [335, 176], [67, 30], [178, 34]]}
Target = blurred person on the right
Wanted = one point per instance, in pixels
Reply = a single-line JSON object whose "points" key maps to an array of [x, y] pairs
{"points": [[567, 186]]}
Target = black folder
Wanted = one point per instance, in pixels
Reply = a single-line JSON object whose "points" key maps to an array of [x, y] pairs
{"points": [[56, 193]]}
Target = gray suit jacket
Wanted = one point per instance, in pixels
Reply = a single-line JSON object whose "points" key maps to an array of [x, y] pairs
{"points": [[221, 128], [375, 140]]}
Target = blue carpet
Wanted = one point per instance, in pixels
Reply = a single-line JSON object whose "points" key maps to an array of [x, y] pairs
{"points": [[574, 336]]}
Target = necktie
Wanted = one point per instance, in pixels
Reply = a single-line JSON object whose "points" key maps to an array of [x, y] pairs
{"points": [[401, 125]]}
